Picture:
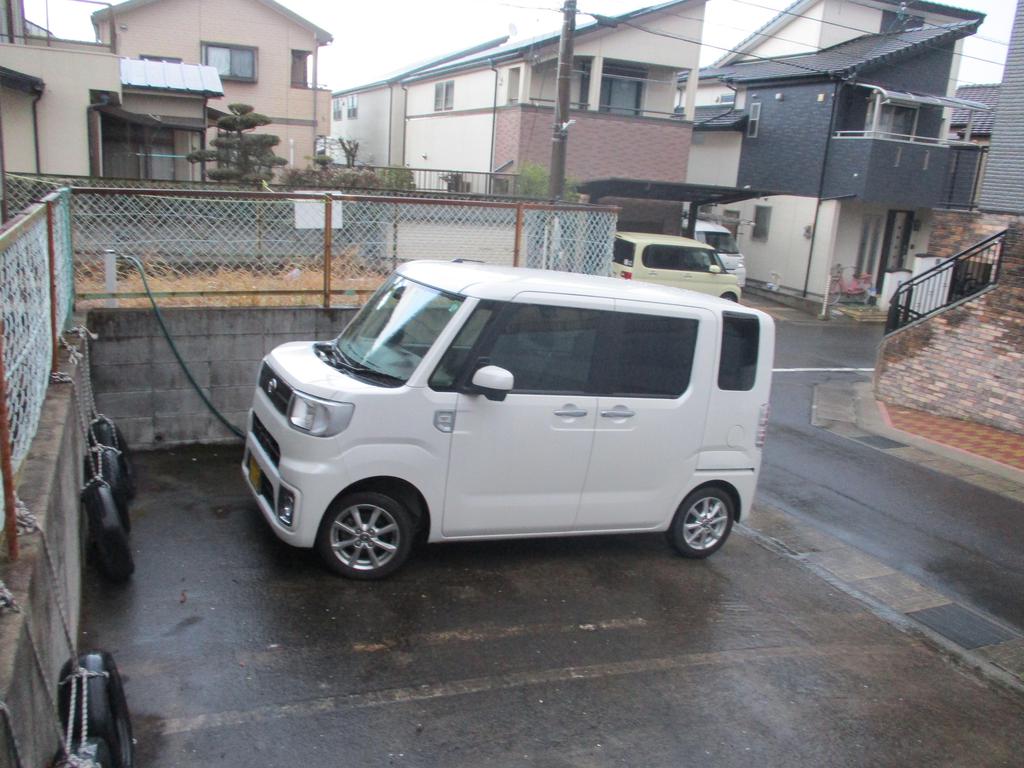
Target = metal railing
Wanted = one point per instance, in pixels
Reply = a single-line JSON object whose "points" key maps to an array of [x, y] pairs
{"points": [[204, 247], [36, 295], [456, 182], [901, 137], [949, 282]]}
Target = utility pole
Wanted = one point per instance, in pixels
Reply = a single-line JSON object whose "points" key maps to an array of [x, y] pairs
{"points": [[560, 139]]}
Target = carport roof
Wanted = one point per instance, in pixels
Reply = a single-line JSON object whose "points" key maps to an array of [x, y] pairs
{"points": [[700, 194]]}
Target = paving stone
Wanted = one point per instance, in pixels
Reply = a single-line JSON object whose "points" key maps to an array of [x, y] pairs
{"points": [[901, 592], [849, 564], [1008, 655]]}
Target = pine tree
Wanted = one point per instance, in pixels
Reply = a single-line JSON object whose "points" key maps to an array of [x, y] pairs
{"points": [[240, 154]]}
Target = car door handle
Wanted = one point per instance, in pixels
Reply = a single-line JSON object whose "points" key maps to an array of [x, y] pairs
{"points": [[569, 412], [618, 413]]}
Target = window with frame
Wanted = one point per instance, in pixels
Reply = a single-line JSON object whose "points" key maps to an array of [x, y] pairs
{"points": [[444, 96], [894, 119], [232, 62], [512, 96], [741, 337], [754, 120], [453, 363], [353, 107], [762, 222], [300, 69], [679, 258], [654, 356], [337, 105], [622, 89]]}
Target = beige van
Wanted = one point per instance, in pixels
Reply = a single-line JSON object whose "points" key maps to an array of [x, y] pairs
{"points": [[676, 261]]}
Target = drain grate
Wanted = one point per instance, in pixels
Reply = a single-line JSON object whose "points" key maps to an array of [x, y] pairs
{"points": [[877, 441], [963, 627]]}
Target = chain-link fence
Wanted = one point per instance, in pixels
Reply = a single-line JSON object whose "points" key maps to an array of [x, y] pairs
{"points": [[204, 247], [36, 295]]}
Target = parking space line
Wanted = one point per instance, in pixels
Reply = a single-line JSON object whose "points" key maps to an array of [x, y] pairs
{"points": [[427, 692]]}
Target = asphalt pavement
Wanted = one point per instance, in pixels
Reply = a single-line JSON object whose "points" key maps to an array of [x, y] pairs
{"points": [[601, 651], [962, 540]]}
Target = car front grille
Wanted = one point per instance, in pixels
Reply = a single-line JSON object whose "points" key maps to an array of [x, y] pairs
{"points": [[266, 440], [275, 388]]}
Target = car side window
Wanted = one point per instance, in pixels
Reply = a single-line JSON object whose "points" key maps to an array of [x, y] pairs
{"points": [[654, 356], [453, 362], [548, 349], [678, 257], [741, 335]]}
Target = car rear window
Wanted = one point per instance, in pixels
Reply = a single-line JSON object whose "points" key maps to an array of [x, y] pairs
{"points": [[741, 337], [622, 252], [679, 257]]}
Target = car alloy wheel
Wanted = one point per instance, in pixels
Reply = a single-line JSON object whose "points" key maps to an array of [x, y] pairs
{"points": [[365, 537]]}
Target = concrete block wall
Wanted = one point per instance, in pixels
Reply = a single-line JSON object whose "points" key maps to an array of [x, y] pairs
{"points": [[141, 386], [966, 362], [33, 641]]}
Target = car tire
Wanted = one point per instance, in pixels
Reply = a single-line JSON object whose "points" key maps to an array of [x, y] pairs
{"points": [[114, 553], [366, 535], [702, 523], [108, 718], [730, 297]]}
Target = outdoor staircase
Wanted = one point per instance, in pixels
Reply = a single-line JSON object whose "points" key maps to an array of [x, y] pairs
{"points": [[949, 283]]}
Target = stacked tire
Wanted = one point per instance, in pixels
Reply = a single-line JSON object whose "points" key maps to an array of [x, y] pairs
{"points": [[107, 494]]}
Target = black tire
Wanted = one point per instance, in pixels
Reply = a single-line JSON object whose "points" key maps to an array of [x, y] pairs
{"points": [[114, 554], [108, 718], [730, 297], [369, 539], [698, 529], [103, 431], [111, 468]]}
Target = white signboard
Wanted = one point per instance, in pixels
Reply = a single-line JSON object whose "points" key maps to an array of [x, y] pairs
{"points": [[309, 213]]}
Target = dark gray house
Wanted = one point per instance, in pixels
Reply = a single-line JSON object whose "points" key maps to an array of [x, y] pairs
{"points": [[856, 138], [1003, 188]]}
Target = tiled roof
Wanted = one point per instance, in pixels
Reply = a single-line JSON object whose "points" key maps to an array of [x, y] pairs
{"points": [[983, 121], [850, 57]]}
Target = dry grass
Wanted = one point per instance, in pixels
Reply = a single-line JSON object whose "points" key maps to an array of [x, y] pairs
{"points": [[219, 286]]}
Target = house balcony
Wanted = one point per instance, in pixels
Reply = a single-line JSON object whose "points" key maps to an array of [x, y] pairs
{"points": [[602, 144], [901, 171]]}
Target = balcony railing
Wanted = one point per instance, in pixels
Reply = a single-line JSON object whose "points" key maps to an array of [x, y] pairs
{"points": [[953, 280], [887, 136]]}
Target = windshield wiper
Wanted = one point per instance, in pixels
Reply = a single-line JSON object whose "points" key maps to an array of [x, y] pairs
{"points": [[363, 370]]}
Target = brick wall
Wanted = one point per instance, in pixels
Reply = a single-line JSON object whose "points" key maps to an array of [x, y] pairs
{"points": [[954, 231], [966, 362], [600, 145]]}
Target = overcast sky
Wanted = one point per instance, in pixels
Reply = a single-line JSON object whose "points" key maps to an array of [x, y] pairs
{"points": [[375, 37]]}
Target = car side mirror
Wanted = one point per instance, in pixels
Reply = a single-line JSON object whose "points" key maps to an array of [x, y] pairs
{"points": [[715, 269], [493, 382]]}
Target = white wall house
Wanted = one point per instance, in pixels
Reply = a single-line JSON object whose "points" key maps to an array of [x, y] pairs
{"points": [[490, 109]]}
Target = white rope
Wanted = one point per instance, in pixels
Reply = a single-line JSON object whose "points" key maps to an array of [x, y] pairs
{"points": [[7, 601], [25, 522]]}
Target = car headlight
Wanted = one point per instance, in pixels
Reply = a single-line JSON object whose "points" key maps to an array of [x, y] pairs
{"points": [[320, 418]]}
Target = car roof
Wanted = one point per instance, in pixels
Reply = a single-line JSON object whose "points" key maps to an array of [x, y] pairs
{"points": [[485, 281], [708, 226], [647, 238]]}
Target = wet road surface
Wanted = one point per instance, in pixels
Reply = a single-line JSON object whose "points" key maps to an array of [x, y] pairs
{"points": [[607, 651], [953, 536]]}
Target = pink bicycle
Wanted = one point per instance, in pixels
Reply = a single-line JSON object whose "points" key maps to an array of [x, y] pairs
{"points": [[846, 285]]}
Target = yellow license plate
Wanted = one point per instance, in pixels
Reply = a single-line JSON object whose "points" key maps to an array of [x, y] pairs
{"points": [[254, 473]]}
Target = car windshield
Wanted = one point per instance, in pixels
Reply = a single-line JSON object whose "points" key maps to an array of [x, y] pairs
{"points": [[394, 330], [723, 242]]}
